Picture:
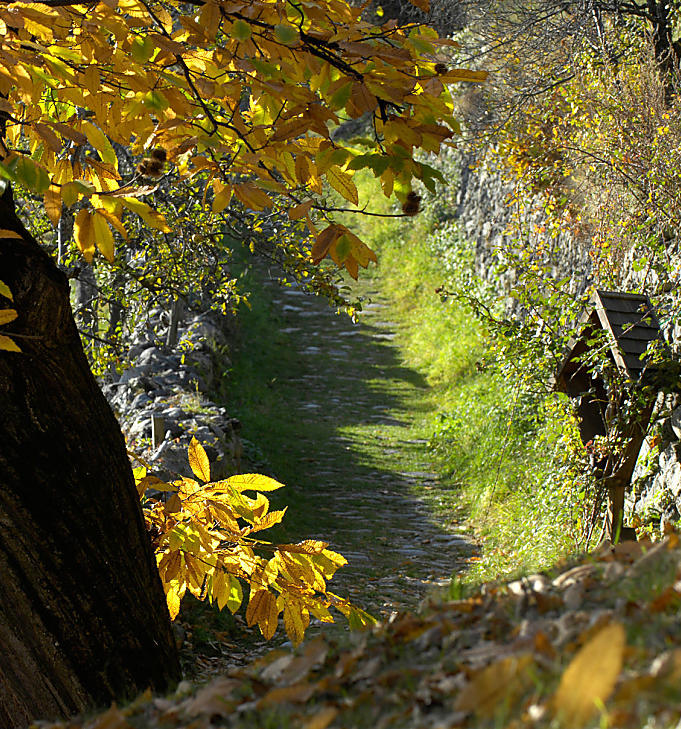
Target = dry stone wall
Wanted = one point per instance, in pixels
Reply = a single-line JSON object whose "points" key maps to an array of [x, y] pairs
{"points": [[490, 223], [168, 386]]}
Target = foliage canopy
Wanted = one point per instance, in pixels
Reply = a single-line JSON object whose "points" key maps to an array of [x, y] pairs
{"points": [[245, 94]]}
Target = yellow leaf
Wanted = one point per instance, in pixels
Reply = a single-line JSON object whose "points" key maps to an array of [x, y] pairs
{"points": [[5, 291], [262, 609], [103, 236], [7, 315], [83, 233], [151, 217], [296, 621], [423, 5], [342, 183], [113, 220], [591, 676], [307, 546], [274, 517], [8, 345], [173, 505], [52, 201], [223, 194], [5, 233], [173, 601], [253, 482], [227, 590], [198, 460]]}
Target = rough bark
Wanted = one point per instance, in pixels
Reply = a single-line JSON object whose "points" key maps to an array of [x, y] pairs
{"points": [[82, 614]]}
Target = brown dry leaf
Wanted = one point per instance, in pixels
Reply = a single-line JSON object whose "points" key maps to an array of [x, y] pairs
{"points": [[591, 676], [633, 688], [213, 699], [543, 645], [112, 719], [662, 602], [500, 682], [313, 655], [322, 718], [298, 693]]}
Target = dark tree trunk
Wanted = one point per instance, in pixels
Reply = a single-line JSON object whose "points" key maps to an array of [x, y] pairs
{"points": [[82, 613]]}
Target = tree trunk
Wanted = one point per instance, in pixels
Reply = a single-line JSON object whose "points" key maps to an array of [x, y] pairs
{"points": [[83, 618]]}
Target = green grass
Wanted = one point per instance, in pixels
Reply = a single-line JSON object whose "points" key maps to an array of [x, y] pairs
{"points": [[492, 443]]}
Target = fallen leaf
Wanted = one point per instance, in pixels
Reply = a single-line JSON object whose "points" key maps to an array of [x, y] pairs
{"points": [[591, 676], [322, 718], [298, 693], [500, 682]]}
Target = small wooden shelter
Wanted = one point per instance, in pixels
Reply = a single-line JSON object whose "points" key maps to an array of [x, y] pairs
{"points": [[629, 324]]}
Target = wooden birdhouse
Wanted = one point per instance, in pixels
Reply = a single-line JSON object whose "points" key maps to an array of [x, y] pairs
{"points": [[623, 325]]}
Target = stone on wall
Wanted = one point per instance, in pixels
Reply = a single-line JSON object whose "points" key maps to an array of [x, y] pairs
{"points": [[170, 384]]}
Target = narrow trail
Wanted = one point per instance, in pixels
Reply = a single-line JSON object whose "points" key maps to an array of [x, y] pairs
{"points": [[341, 425]]}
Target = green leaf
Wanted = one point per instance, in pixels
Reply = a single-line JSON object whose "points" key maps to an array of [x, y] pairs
{"points": [[343, 248], [360, 620], [236, 595], [142, 49], [286, 34], [27, 173], [98, 140], [341, 97], [241, 30], [377, 163]]}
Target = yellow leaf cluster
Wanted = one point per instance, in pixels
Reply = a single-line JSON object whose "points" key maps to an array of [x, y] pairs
{"points": [[248, 94], [203, 534]]}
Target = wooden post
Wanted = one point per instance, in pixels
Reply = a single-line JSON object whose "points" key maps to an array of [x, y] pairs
{"points": [[175, 315], [158, 430]]}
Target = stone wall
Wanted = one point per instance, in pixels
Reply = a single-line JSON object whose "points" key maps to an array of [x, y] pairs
{"points": [[489, 219], [170, 384], [485, 218]]}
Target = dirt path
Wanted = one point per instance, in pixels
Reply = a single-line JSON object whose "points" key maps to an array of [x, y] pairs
{"points": [[342, 424]]}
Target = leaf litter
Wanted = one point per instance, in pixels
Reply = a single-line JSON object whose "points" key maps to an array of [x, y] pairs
{"points": [[594, 644]]}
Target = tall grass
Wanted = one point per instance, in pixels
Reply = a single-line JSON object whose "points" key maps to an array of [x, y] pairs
{"points": [[500, 449]]}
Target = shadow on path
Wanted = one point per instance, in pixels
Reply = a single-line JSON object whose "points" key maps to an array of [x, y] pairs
{"points": [[338, 420]]}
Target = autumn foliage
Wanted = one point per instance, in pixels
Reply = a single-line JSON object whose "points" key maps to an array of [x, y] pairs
{"points": [[244, 94], [205, 544]]}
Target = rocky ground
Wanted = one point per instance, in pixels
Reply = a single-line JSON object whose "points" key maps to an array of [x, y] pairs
{"points": [[366, 481]]}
